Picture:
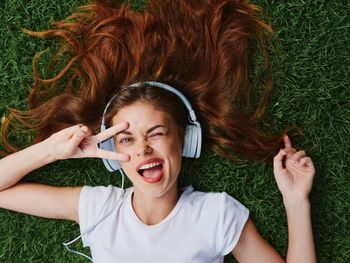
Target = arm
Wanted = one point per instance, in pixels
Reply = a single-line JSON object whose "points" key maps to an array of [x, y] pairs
{"points": [[295, 182], [251, 247], [43, 200], [15, 166]]}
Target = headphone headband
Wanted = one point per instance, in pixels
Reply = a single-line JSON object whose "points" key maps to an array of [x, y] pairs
{"points": [[173, 90], [185, 101]]}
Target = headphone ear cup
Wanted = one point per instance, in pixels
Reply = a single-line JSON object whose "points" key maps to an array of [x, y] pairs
{"points": [[193, 141], [192, 135], [198, 145], [108, 145], [193, 144], [187, 141]]}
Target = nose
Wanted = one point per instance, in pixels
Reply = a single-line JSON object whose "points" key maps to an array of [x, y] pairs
{"points": [[143, 148]]}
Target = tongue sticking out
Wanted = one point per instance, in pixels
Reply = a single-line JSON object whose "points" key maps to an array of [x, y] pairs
{"points": [[152, 172]]}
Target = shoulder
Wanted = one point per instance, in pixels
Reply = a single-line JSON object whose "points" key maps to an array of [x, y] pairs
{"points": [[97, 200], [215, 200], [215, 207], [101, 193]]}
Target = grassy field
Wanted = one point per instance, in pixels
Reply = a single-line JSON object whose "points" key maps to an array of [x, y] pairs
{"points": [[310, 89]]}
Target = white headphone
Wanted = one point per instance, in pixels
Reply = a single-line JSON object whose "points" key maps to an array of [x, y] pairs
{"points": [[193, 134]]}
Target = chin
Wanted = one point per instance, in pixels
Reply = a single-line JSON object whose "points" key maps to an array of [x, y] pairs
{"points": [[160, 189]]}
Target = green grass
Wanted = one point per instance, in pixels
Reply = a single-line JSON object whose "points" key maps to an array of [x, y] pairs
{"points": [[311, 90]]}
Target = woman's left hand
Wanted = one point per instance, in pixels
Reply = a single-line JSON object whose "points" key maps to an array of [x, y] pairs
{"points": [[295, 180]]}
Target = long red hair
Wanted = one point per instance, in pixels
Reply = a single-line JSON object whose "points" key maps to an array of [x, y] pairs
{"points": [[204, 48]]}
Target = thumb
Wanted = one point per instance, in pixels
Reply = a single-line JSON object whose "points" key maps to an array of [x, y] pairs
{"points": [[277, 162]]}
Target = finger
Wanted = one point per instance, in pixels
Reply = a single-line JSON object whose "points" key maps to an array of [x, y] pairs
{"points": [[277, 161], [112, 155], [76, 139], [287, 142], [86, 130], [298, 155], [306, 161], [70, 131], [111, 131], [290, 151], [310, 164]]}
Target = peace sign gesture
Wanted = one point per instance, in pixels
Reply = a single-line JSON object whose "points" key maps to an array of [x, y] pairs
{"points": [[78, 142], [295, 180]]}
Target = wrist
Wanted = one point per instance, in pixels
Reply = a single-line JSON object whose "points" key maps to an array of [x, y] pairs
{"points": [[45, 147], [296, 203]]}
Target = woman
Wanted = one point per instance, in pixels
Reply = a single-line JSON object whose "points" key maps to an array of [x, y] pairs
{"points": [[201, 50]]}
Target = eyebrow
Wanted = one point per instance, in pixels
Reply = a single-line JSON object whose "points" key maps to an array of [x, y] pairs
{"points": [[126, 132]]}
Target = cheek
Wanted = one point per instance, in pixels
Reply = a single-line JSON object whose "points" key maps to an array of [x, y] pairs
{"points": [[175, 151], [178, 145], [168, 146], [129, 169], [126, 150]]}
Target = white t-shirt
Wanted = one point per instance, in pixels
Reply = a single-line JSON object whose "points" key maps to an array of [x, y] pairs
{"points": [[202, 227]]}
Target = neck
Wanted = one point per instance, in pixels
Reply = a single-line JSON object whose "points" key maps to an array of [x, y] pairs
{"points": [[152, 210]]}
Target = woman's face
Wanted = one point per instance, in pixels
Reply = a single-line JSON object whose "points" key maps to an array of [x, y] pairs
{"points": [[155, 148]]}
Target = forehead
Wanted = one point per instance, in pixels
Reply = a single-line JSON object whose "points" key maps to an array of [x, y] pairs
{"points": [[141, 114]]}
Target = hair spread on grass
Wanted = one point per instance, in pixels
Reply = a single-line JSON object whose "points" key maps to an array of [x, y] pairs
{"points": [[204, 48]]}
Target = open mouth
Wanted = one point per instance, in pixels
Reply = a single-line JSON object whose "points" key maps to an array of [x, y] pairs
{"points": [[153, 171], [150, 170]]}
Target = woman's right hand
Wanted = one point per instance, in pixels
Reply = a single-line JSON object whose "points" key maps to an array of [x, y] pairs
{"points": [[78, 142], [50, 201]]}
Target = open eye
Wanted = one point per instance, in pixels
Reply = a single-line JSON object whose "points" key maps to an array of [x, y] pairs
{"points": [[125, 140]]}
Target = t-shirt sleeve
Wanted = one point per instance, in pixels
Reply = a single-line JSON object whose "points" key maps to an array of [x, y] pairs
{"points": [[232, 218], [94, 204]]}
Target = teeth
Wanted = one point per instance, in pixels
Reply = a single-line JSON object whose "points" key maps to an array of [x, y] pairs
{"points": [[149, 165]]}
